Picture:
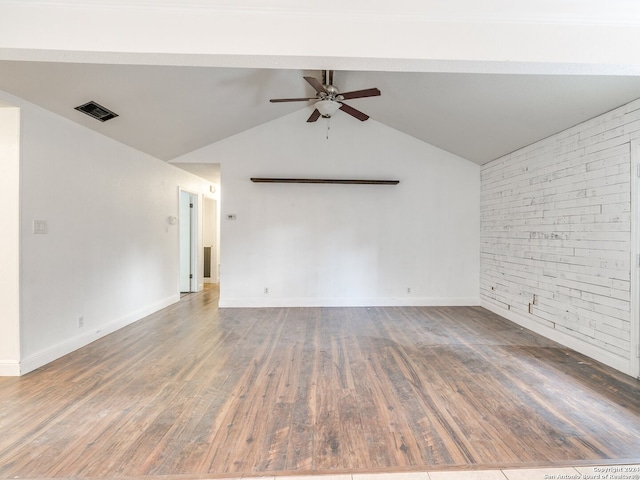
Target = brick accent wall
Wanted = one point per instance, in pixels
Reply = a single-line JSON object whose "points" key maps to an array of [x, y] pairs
{"points": [[555, 251]]}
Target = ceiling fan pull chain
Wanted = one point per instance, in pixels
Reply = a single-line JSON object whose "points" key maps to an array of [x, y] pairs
{"points": [[328, 126]]}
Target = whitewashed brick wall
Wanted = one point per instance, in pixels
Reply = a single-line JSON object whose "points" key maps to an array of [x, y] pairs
{"points": [[556, 234]]}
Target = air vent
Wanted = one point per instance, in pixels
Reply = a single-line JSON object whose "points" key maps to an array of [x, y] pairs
{"points": [[97, 111]]}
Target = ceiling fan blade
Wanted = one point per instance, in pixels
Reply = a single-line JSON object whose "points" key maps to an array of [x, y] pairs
{"points": [[314, 116], [369, 92], [315, 83], [353, 112], [278, 100]]}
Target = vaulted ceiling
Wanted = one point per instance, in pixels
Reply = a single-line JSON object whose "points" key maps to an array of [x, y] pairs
{"points": [[169, 111], [169, 108]]}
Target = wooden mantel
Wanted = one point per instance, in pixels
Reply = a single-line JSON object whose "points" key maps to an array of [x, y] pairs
{"points": [[325, 180]]}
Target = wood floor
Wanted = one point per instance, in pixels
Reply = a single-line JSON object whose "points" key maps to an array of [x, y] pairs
{"points": [[193, 392]]}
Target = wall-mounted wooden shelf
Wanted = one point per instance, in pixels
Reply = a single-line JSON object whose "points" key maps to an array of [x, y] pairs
{"points": [[325, 180]]}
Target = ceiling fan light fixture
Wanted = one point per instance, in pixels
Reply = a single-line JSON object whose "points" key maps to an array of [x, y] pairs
{"points": [[327, 107]]}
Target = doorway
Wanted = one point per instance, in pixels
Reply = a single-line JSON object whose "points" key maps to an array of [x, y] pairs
{"points": [[210, 239], [188, 241]]}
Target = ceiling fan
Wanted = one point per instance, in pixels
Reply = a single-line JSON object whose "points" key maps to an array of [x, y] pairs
{"points": [[329, 99]]}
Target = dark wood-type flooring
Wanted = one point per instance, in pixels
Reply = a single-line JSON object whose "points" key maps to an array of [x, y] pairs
{"points": [[193, 392]]}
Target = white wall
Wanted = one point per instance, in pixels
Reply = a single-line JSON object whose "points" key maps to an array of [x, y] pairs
{"points": [[9, 240], [557, 223], [344, 244], [110, 254]]}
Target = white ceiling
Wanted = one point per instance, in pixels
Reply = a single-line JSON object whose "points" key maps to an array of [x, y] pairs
{"points": [[479, 79], [168, 111]]}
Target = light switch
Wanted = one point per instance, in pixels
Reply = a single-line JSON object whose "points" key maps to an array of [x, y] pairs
{"points": [[39, 226]]}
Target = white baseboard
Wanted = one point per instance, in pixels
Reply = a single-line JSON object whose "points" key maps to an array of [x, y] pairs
{"points": [[591, 351], [61, 349], [349, 302], [9, 368]]}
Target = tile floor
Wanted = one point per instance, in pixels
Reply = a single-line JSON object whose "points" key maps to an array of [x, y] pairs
{"points": [[609, 472]]}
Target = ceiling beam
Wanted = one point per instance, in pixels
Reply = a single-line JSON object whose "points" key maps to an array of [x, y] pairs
{"points": [[581, 39]]}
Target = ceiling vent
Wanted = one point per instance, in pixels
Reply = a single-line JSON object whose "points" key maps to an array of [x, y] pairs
{"points": [[97, 111]]}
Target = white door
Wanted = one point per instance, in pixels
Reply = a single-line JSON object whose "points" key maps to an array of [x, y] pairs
{"points": [[187, 237]]}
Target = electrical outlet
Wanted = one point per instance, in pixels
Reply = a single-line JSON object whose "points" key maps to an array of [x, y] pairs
{"points": [[40, 227], [409, 290], [80, 322], [266, 290]]}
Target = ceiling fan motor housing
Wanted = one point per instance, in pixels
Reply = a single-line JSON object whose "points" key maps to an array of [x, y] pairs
{"points": [[332, 93]]}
